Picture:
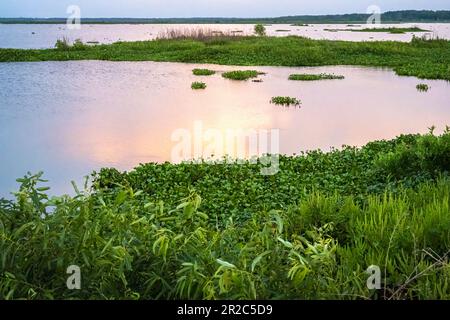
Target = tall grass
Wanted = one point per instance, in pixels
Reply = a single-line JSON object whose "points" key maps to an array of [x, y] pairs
{"points": [[198, 34]]}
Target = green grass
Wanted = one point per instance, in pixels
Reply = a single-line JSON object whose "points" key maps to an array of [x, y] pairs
{"points": [[428, 59], [203, 72], [285, 101], [315, 77], [202, 231], [241, 75], [422, 87], [198, 85]]}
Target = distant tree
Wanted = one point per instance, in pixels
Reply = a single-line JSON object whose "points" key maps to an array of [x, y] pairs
{"points": [[260, 30]]}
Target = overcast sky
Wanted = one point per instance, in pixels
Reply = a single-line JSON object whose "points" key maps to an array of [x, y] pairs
{"points": [[205, 8]]}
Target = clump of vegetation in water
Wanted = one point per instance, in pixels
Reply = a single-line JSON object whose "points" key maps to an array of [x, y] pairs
{"points": [[146, 234], [391, 30], [314, 77], [203, 72], [241, 75], [198, 85], [285, 101], [260, 30], [282, 30], [422, 87]]}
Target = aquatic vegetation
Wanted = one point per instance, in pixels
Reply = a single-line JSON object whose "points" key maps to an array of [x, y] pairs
{"points": [[241, 75], [198, 85], [62, 44], [285, 101], [282, 30], [422, 58], [315, 77], [422, 87], [390, 30], [203, 72], [260, 30], [167, 231], [198, 34]]}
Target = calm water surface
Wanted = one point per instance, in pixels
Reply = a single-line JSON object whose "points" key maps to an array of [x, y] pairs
{"points": [[69, 118], [44, 36]]}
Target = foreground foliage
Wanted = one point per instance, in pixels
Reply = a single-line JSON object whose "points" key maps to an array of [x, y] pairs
{"points": [[225, 232], [428, 59]]}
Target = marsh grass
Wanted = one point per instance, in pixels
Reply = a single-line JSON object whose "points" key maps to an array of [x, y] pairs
{"points": [[422, 58], [285, 101], [241, 75], [198, 34], [166, 231], [315, 77], [198, 85], [422, 87], [203, 72]]}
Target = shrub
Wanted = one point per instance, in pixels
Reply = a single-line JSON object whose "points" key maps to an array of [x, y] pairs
{"points": [[260, 30]]}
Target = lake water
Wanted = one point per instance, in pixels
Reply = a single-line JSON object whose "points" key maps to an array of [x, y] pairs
{"points": [[44, 36], [69, 118]]}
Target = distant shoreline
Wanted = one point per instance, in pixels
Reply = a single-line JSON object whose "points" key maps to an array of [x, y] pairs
{"points": [[410, 16]]}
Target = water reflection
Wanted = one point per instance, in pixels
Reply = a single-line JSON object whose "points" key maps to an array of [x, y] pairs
{"points": [[69, 118]]}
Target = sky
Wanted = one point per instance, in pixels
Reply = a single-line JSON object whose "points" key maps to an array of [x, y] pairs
{"points": [[206, 8]]}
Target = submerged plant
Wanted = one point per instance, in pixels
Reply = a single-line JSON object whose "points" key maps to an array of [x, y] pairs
{"points": [[241, 75], [198, 85], [285, 101], [203, 72], [422, 87], [314, 77]]}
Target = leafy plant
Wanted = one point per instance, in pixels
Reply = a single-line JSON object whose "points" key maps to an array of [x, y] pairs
{"points": [[260, 30], [285, 101], [198, 85]]}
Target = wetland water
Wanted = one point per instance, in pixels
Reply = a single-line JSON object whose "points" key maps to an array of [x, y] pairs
{"points": [[39, 36], [69, 118]]}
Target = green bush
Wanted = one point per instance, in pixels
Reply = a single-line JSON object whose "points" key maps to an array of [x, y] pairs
{"points": [[260, 30]]}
